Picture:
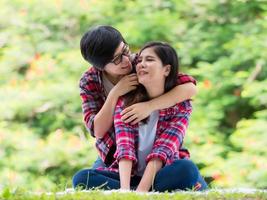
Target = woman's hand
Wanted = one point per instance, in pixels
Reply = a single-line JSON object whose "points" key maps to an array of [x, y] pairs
{"points": [[136, 112], [125, 85], [152, 168]]}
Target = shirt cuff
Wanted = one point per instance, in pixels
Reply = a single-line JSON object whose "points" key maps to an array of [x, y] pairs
{"points": [[125, 153], [161, 154]]}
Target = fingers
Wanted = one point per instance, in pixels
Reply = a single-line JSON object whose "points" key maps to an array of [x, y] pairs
{"points": [[126, 110], [134, 83], [127, 115], [133, 87], [131, 77], [130, 80], [130, 119], [135, 121]]}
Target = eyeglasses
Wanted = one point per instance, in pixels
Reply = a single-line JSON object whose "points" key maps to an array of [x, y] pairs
{"points": [[125, 52]]}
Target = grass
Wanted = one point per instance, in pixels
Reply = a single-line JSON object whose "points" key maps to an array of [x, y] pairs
{"points": [[20, 194]]}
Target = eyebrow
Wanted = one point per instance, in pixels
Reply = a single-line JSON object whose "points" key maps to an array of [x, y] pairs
{"points": [[123, 48], [147, 56]]}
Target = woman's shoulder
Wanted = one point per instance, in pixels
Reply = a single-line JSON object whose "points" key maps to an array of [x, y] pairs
{"points": [[185, 78], [121, 102]]}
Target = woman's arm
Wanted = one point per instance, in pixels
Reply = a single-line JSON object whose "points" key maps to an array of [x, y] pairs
{"points": [[125, 140], [140, 111], [173, 131], [125, 168], [167, 144], [153, 166]]}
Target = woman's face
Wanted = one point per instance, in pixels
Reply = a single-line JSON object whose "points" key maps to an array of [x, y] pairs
{"points": [[120, 64], [150, 70]]}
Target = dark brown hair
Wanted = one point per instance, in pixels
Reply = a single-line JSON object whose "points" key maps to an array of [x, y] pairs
{"points": [[168, 56]]}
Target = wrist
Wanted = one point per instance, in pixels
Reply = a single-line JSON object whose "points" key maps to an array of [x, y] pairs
{"points": [[142, 188], [113, 96], [151, 106]]}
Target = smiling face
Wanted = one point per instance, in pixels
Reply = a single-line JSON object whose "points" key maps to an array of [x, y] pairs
{"points": [[150, 69], [124, 66]]}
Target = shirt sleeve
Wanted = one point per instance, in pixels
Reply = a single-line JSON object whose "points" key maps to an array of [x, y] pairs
{"points": [[171, 138], [91, 101], [125, 136], [184, 78]]}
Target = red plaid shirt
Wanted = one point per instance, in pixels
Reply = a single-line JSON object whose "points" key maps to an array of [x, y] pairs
{"points": [[93, 98], [170, 132]]}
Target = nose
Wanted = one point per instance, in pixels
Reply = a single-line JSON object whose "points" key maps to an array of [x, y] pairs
{"points": [[125, 57], [140, 65], [143, 63]]}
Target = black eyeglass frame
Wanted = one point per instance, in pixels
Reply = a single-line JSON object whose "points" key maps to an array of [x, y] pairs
{"points": [[125, 52]]}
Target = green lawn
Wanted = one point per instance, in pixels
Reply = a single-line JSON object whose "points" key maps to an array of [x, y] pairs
{"points": [[99, 195]]}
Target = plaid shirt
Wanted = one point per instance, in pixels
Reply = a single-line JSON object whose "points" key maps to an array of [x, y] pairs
{"points": [[93, 97], [170, 132]]}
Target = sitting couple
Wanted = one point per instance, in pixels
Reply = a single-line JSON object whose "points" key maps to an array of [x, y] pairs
{"points": [[138, 110]]}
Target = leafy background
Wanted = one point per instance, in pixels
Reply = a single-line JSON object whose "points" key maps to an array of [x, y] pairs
{"points": [[222, 43]]}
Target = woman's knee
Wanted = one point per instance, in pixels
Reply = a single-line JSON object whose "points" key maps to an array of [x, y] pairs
{"points": [[81, 178], [182, 174], [187, 169]]}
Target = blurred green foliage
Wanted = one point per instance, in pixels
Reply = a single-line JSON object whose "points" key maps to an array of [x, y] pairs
{"points": [[223, 44]]}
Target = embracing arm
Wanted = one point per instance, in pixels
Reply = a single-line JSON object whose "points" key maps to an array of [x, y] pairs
{"points": [[95, 111], [104, 118], [180, 93]]}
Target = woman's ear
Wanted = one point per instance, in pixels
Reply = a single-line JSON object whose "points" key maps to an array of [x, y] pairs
{"points": [[167, 69]]}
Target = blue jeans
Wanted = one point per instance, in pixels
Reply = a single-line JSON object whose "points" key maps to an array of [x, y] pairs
{"points": [[180, 175], [98, 163]]}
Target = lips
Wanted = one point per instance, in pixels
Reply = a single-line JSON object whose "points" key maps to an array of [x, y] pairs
{"points": [[140, 73]]}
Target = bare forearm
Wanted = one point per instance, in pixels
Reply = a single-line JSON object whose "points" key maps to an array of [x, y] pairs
{"points": [[125, 168], [147, 180], [178, 94], [104, 118]]}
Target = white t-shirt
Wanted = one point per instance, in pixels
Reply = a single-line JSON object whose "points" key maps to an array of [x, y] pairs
{"points": [[146, 138], [146, 132]]}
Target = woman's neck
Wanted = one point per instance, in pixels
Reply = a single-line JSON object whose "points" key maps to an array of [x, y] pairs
{"points": [[114, 79], [154, 90]]}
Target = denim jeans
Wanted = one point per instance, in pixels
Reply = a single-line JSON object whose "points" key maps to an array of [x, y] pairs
{"points": [[180, 175], [98, 163]]}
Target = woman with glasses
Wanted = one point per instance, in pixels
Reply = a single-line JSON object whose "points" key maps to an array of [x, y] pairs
{"points": [[150, 154], [110, 78]]}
